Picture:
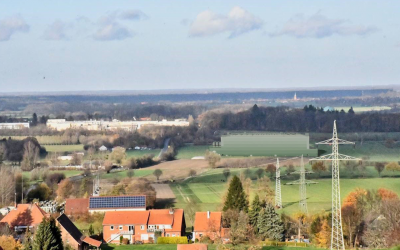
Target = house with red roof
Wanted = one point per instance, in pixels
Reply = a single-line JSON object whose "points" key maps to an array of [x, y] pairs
{"points": [[209, 224], [71, 235], [142, 225], [25, 216]]}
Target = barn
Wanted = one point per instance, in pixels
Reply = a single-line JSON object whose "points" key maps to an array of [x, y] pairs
{"points": [[265, 144]]}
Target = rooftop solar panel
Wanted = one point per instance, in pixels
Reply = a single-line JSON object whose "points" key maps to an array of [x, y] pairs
{"points": [[117, 202]]}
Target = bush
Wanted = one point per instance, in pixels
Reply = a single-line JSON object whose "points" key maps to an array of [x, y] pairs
{"points": [[125, 241], [54, 178], [206, 239], [172, 240]]}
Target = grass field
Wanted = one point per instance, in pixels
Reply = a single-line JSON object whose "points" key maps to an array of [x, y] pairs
{"points": [[64, 148], [68, 173], [209, 189], [123, 174], [188, 152]]}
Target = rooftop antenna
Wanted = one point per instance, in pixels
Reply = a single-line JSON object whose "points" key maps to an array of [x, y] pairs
{"points": [[302, 186], [337, 242], [278, 195]]}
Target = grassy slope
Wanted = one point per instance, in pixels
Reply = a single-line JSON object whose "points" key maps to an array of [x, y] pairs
{"points": [[64, 148], [188, 152], [123, 174]]}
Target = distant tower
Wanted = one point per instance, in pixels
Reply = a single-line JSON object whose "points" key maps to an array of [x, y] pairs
{"points": [[278, 196], [337, 242], [295, 96], [302, 182]]}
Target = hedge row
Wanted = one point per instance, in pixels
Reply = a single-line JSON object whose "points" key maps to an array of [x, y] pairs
{"points": [[172, 240], [289, 244]]}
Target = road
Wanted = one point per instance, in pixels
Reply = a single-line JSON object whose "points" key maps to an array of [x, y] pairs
{"points": [[165, 148]]}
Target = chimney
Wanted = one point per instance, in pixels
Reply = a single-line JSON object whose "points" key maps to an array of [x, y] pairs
{"points": [[208, 214], [171, 211]]}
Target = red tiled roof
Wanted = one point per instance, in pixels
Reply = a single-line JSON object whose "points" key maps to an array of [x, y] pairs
{"points": [[91, 241], [126, 218], [202, 223], [192, 247], [150, 217], [76, 206], [25, 215]]}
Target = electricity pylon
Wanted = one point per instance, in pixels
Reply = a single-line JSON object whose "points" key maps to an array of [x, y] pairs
{"points": [[278, 195], [302, 186], [337, 241]]}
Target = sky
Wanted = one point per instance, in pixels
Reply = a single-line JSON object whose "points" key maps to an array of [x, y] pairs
{"points": [[54, 45]]}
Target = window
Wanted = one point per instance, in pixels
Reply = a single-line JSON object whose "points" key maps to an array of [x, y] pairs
{"points": [[173, 235], [141, 227], [167, 235], [121, 227], [111, 227]]}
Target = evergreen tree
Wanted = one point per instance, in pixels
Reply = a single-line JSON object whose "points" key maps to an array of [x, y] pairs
{"points": [[34, 119], [48, 236], [254, 212], [28, 241], [236, 198], [269, 223]]}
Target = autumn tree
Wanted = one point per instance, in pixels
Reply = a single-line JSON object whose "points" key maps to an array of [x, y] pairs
{"points": [[236, 198], [48, 236], [212, 158], [138, 186], [323, 237], [259, 172], [271, 169], [130, 173], [76, 160], [65, 189], [387, 195], [379, 166], [8, 242], [318, 167], [239, 229], [118, 155], [6, 185], [392, 166], [264, 188], [192, 173]]}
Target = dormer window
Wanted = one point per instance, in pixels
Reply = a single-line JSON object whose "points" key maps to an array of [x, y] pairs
{"points": [[111, 227]]}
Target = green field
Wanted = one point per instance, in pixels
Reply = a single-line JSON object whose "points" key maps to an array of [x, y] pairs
{"points": [[68, 173], [188, 152], [208, 189], [64, 148]]}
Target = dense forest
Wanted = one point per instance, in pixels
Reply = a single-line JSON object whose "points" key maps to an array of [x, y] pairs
{"points": [[308, 119]]}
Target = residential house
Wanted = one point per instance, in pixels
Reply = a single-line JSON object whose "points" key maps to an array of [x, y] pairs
{"points": [[71, 235], [104, 204], [24, 216], [142, 225], [207, 224]]}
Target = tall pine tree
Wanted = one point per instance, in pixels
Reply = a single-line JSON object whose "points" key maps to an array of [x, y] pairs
{"points": [[269, 223], [254, 212], [48, 236], [236, 198]]}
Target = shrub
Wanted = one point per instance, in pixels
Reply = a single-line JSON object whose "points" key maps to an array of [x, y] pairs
{"points": [[125, 241], [172, 240], [54, 178]]}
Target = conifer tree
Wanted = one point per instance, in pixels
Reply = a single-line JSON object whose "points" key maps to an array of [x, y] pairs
{"points": [[28, 241], [48, 236], [236, 198], [254, 212], [269, 223]]}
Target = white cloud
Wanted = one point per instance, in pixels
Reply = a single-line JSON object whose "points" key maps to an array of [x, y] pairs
{"points": [[237, 22], [133, 15], [319, 26], [112, 31], [12, 25], [56, 31]]}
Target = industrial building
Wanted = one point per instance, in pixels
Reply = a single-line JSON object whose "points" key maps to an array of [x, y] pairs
{"points": [[264, 144]]}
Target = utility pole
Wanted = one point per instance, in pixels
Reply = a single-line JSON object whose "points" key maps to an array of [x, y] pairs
{"points": [[302, 182], [337, 242], [278, 195]]}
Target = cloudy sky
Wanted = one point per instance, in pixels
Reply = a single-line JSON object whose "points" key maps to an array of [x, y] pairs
{"points": [[133, 45]]}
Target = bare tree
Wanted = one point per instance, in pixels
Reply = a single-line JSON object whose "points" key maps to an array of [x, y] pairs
{"points": [[31, 155], [6, 186]]}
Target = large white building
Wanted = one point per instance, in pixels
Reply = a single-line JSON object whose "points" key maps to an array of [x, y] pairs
{"points": [[62, 124], [14, 125]]}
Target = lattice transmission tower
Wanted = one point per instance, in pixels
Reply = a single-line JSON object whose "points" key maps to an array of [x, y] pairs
{"points": [[278, 195], [302, 182], [337, 241]]}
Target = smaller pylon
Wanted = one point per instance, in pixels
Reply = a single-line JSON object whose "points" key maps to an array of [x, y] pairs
{"points": [[302, 182], [278, 195]]}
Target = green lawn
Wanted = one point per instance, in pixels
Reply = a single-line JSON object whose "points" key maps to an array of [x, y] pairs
{"points": [[188, 152], [68, 173], [64, 148]]}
